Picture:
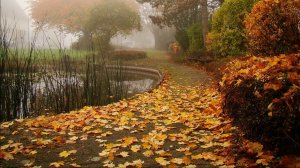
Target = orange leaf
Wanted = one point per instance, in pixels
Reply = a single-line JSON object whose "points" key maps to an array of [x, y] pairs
{"points": [[6, 155], [57, 164], [272, 86]]}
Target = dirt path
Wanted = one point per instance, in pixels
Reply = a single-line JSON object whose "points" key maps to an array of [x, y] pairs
{"points": [[176, 125], [181, 74]]}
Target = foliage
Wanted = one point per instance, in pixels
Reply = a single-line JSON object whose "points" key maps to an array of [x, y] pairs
{"points": [[208, 42], [228, 32], [179, 14], [69, 14], [272, 27], [128, 54], [182, 13], [110, 18], [263, 97], [83, 43], [195, 37], [96, 19], [171, 126], [228, 42], [183, 39], [175, 48]]}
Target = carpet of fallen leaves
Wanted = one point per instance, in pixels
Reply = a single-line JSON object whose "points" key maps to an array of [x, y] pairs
{"points": [[171, 126]]}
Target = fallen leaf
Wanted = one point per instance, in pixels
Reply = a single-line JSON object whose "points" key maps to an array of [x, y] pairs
{"points": [[135, 148], [75, 165], [65, 154], [124, 154], [6, 155], [186, 160], [138, 163], [162, 161], [148, 153], [177, 161], [57, 164], [33, 152], [95, 159]]}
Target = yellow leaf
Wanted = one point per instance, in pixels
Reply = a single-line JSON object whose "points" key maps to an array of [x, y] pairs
{"points": [[42, 142], [6, 124], [97, 131], [14, 133], [33, 152], [270, 114], [138, 163], [146, 146], [262, 161], [104, 153], [86, 128], [244, 71], [270, 106], [124, 154], [135, 148], [67, 153], [162, 161], [128, 141], [177, 161], [148, 153], [75, 165], [57, 164], [196, 157]]}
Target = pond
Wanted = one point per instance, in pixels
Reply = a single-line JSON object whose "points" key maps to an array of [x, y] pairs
{"points": [[53, 93]]}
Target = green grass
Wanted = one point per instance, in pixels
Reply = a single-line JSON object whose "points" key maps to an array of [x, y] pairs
{"points": [[49, 54]]}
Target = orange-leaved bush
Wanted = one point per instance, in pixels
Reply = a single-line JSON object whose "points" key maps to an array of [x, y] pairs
{"points": [[272, 27], [262, 95]]}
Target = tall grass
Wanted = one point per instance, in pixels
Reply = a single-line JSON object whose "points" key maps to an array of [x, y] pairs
{"points": [[50, 81], [16, 76]]}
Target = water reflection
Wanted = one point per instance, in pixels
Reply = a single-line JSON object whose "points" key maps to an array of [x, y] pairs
{"points": [[139, 86]]}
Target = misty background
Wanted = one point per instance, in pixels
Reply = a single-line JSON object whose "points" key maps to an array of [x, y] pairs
{"points": [[17, 15]]}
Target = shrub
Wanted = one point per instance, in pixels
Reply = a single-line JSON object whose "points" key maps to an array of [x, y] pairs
{"points": [[230, 42], [128, 54], [272, 27], [194, 33], [183, 39], [227, 27], [262, 95], [175, 47]]}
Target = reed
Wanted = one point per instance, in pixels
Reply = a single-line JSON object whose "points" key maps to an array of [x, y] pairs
{"points": [[50, 81]]}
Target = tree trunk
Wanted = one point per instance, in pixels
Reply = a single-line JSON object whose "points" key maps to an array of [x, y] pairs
{"points": [[204, 16]]}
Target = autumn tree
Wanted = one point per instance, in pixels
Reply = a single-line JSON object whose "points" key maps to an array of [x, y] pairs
{"points": [[183, 14], [66, 14], [88, 18], [110, 18]]}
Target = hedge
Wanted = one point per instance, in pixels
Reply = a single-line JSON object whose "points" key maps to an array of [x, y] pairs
{"points": [[262, 95]]}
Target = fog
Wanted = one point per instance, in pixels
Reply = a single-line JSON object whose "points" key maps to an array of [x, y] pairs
{"points": [[17, 15]]}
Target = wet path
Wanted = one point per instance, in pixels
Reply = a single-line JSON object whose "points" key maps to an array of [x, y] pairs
{"points": [[181, 74]]}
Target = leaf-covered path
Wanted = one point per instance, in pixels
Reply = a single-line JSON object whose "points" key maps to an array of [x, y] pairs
{"points": [[175, 125]]}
